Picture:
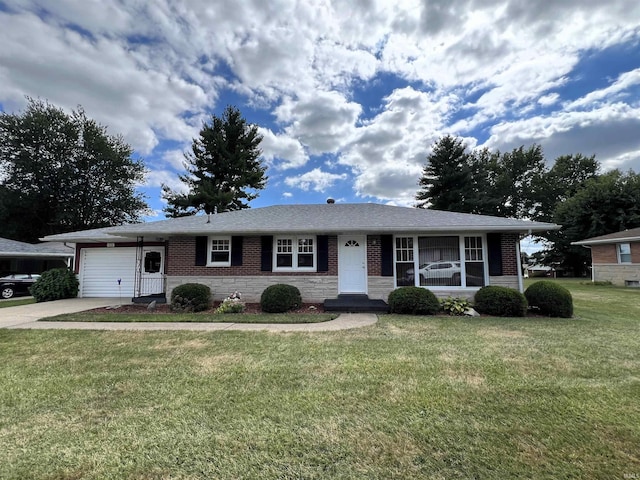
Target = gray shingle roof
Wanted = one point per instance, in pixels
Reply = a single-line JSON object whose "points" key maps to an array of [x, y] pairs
{"points": [[14, 248], [318, 219], [630, 235]]}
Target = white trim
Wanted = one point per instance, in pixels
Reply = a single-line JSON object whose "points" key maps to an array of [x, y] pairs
{"points": [[519, 266], [210, 241], [294, 253], [461, 260], [619, 253]]}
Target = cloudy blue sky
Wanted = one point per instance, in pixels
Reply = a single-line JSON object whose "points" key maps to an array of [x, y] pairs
{"points": [[349, 95]]}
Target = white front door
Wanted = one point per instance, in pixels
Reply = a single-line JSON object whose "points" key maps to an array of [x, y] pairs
{"points": [[152, 281], [352, 263]]}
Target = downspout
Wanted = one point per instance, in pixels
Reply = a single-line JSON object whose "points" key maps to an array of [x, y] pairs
{"points": [[519, 264]]}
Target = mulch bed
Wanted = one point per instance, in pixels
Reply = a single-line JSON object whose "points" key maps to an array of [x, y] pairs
{"points": [[165, 309]]}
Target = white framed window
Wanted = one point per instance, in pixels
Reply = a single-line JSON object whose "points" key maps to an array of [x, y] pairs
{"points": [[219, 252], [450, 261], [295, 253], [624, 252], [474, 262]]}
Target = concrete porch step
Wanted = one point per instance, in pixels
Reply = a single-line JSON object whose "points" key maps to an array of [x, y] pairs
{"points": [[355, 304]]}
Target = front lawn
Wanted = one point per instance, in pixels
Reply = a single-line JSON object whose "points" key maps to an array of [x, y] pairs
{"points": [[17, 301], [408, 398], [194, 317]]}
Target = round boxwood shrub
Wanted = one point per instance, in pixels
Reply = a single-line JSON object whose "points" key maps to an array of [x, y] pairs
{"points": [[280, 298], [55, 284], [549, 298], [413, 301], [190, 297], [500, 302]]}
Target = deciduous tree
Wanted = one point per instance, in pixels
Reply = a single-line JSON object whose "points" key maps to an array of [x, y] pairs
{"points": [[61, 172]]}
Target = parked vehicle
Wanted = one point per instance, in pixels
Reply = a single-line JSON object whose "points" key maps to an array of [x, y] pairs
{"points": [[17, 284], [450, 271]]}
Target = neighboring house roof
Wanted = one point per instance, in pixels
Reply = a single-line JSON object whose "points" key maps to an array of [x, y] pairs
{"points": [[13, 248], [95, 235], [631, 235], [316, 218]]}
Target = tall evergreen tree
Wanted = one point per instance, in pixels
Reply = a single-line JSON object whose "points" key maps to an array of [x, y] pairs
{"points": [[62, 172], [446, 177], [224, 169]]}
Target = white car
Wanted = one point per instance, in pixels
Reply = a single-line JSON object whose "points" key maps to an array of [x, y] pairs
{"points": [[438, 270]]}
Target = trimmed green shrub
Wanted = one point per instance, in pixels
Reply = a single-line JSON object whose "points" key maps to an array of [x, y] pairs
{"points": [[55, 284], [549, 298], [455, 305], [500, 302], [190, 297], [413, 301], [280, 298]]}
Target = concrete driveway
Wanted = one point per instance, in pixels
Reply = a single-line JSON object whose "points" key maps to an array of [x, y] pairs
{"points": [[27, 316]]}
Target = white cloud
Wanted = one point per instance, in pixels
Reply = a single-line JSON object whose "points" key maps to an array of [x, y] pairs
{"points": [[323, 121], [316, 180], [282, 151], [155, 71]]}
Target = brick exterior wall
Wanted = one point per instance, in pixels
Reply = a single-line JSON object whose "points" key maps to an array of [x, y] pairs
{"points": [[508, 243], [604, 260], [604, 254], [314, 286], [181, 254], [374, 252]]}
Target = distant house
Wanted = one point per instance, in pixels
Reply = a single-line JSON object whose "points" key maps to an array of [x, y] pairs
{"points": [[21, 257], [326, 250], [615, 257]]}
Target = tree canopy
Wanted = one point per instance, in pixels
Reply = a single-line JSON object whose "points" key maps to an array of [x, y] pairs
{"points": [[570, 192], [606, 204], [224, 169], [62, 172]]}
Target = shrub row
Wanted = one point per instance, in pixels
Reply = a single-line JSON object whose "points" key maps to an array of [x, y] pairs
{"points": [[544, 297], [194, 297]]}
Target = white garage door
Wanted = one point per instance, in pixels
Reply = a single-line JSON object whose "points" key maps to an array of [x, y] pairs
{"points": [[100, 269]]}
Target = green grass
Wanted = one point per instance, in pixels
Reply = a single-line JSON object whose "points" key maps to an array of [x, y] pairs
{"points": [[16, 302], [191, 317], [408, 398]]}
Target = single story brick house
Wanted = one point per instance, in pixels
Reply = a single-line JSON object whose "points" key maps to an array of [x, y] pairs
{"points": [[615, 257], [326, 250]]}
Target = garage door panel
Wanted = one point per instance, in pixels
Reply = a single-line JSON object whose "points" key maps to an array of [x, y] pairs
{"points": [[102, 267]]}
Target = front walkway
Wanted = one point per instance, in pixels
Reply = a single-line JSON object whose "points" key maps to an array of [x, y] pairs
{"points": [[27, 316]]}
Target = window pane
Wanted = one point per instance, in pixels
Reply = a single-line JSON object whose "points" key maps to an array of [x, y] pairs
{"points": [[404, 274], [474, 274], [404, 249], [219, 257], [305, 260], [439, 261], [152, 261], [284, 260], [624, 252], [305, 245], [285, 245], [220, 250]]}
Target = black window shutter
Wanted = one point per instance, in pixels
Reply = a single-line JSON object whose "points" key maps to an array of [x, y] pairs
{"points": [[266, 255], [201, 250], [494, 248], [323, 253], [236, 251], [386, 257]]}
